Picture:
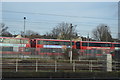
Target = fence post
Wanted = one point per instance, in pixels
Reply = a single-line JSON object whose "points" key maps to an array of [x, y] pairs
{"points": [[90, 65], [55, 66], [108, 62], [16, 65], [115, 66], [36, 65], [73, 66]]}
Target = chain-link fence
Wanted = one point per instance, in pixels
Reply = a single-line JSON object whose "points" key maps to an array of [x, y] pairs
{"points": [[16, 52]]}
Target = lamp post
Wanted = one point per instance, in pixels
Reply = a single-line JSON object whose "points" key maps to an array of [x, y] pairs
{"points": [[106, 32], [24, 26], [88, 43], [88, 39], [106, 36], [71, 43]]}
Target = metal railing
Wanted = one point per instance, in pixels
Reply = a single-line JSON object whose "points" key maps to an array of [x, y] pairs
{"points": [[32, 59], [39, 65]]}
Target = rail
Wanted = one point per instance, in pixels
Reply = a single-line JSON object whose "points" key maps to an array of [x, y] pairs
{"points": [[38, 65]]}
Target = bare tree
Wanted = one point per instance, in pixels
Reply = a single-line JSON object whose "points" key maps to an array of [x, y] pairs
{"points": [[3, 30], [62, 31], [102, 33], [30, 32]]}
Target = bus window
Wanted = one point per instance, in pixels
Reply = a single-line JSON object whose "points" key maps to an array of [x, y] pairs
{"points": [[78, 45], [84, 44], [72, 43], [56, 42], [116, 45], [6, 40], [25, 41], [40, 42], [7, 48]]}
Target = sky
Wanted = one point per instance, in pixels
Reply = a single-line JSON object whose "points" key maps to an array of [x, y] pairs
{"points": [[42, 17]]}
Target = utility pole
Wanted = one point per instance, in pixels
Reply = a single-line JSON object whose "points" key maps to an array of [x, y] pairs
{"points": [[71, 43], [24, 26], [88, 39], [106, 33], [88, 44]]}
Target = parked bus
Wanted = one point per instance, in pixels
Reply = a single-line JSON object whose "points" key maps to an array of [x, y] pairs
{"points": [[51, 46], [116, 45], [89, 46], [11, 45]]}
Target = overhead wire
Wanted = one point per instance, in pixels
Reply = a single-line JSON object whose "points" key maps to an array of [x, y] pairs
{"points": [[45, 21], [57, 15], [50, 21]]}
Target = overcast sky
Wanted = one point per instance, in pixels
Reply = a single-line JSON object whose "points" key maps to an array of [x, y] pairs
{"points": [[43, 16]]}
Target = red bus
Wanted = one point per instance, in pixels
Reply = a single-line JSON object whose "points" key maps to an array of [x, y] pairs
{"points": [[90, 46], [11, 45], [94, 45], [51, 46], [116, 52], [116, 45]]}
